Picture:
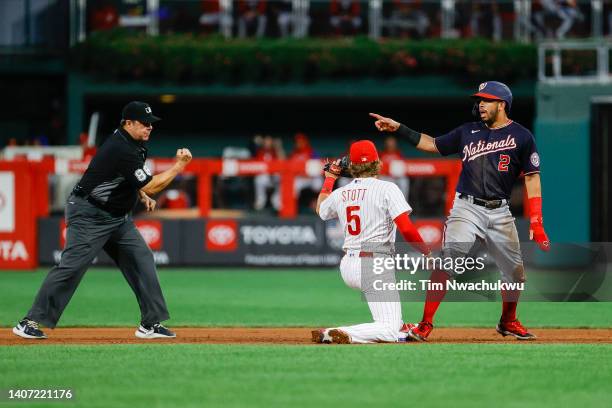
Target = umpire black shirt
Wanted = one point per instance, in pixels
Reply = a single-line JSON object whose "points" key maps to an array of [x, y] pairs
{"points": [[116, 174]]}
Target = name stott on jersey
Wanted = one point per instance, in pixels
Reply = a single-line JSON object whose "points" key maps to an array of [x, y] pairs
{"points": [[493, 158], [366, 208], [116, 173]]}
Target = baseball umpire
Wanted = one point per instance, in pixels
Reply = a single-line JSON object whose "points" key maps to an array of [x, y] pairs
{"points": [[495, 151], [98, 218]]}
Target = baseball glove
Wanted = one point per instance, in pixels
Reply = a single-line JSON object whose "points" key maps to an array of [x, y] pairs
{"points": [[341, 169]]}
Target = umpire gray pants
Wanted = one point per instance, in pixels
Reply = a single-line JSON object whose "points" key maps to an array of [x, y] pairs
{"points": [[90, 230]]}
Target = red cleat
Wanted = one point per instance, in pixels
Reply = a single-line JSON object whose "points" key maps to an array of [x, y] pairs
{"points": [[514, 328], [420, 332], [406, 327]]}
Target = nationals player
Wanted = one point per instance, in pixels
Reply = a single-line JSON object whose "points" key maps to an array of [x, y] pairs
{"points": [[494, 152], [370, 211]]}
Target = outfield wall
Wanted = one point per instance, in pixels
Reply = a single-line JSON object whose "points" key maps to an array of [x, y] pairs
{"points": [[256, 241]]}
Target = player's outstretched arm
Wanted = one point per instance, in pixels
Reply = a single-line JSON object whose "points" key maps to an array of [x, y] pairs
{"points": [[536, 224], [161, 180], [422, 141]]}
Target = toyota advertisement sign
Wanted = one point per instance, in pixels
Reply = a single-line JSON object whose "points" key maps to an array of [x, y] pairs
{"points": [[261, 241]]}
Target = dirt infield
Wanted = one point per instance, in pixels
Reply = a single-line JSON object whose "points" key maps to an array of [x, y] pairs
{"points": [[241, 335]]}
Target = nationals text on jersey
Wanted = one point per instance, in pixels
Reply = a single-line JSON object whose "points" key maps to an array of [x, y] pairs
{"points": [[474, 150]]}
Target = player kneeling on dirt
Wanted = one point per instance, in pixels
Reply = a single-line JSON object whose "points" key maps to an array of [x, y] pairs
{"points": [[370, 211]]}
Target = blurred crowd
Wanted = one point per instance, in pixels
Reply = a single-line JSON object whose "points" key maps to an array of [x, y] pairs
{"points": [[262, 192], [398, 18], [56, 24]]}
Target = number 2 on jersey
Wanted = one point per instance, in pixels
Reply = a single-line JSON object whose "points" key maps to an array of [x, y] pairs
{"points": [[504, 160], [353, 222]]}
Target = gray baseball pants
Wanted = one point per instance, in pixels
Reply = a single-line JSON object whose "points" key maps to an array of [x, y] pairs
{"points": [[469, 222], [90, 230]]}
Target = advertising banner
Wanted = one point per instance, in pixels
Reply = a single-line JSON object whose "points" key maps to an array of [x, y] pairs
{"points": [[17, 227], [261, 241], [266, 241], [161, 236]]}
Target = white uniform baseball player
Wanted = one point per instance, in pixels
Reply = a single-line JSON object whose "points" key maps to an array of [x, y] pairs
{"points": [[370, 211]]}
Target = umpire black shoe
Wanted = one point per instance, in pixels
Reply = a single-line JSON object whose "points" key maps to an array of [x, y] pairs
{"points": [[156, 331], [28, 329]]}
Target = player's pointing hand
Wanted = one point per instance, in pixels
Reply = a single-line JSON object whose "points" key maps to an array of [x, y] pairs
{"points": [[384, 124]]}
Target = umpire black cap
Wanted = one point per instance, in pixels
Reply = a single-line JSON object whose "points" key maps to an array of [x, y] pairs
{"points": [[139, 111]]}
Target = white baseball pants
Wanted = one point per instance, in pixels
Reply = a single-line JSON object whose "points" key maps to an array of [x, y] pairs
{"points": [[386, 307]]}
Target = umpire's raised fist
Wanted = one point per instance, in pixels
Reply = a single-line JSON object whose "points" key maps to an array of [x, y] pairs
{"points": [[183, 155]]}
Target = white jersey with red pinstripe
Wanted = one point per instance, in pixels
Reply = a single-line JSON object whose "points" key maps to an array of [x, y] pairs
{"points": [[367, 208]]}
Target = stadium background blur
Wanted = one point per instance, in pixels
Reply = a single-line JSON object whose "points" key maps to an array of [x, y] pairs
{"points": [[57, 91], [253, 88]]}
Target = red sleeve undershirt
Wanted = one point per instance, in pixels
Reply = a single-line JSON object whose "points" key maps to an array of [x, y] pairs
{"points": [[410, 233]]}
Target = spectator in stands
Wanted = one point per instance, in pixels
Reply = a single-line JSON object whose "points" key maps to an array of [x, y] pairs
{"points": [[176, 197], [270, 149], [212, 16], [286, 18], [547, 12], [135, 14], [390, 153], [407, 18], [569, 14], [302, 149], [104, 15], [252, 18], [306, 189], [485, 20], [345, 16]]}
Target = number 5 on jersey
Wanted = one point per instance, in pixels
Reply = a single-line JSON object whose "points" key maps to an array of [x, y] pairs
{"points": [[353, 222]]}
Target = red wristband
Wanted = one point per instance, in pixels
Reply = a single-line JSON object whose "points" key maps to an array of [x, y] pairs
{"points": [[535, 210], [328, 185]]}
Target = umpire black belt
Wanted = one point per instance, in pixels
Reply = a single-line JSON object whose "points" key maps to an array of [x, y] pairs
{"points": [[79, 192], [490, 204]]}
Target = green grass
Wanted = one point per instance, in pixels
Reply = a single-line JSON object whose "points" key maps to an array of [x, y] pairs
{"points": [[462, 375], [516, 375], [235, 297]]}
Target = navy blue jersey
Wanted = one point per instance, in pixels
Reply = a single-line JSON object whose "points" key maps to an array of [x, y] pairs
{"points": [[492, 158]]}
